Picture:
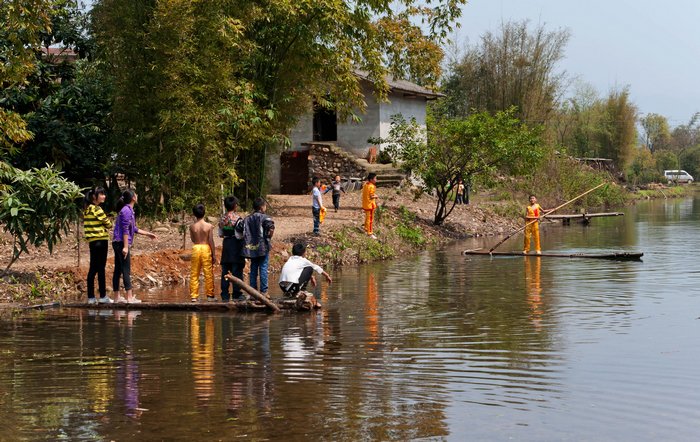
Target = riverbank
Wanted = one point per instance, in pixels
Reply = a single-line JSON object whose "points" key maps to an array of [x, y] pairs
{"points": [[403, 226]]}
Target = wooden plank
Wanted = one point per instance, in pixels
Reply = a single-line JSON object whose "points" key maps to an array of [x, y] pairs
{"points": [[618, 256], [584, 215], [240, 306]]}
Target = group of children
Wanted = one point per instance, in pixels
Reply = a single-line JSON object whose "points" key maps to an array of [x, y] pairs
{"points": [[244, 239], [369, 201]]}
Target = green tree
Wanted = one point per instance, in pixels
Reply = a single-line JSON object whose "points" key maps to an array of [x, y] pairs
{"points": [[514, 67], [23, 21], [199, 85], [477, 146], [618, 131], [37, 207], [656, 132]]}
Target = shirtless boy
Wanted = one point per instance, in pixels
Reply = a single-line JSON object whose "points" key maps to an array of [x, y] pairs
{"points": [[203, 255]]}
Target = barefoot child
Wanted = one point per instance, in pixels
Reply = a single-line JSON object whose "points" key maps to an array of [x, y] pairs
{"points": [[533, 212], [203, 255]]}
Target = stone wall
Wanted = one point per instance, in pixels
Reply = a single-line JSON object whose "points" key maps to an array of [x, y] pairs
{"points": [[326, 161]]}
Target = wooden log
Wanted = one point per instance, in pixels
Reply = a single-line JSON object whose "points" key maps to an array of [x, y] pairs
{"points": [[241, 306], [584, 215], [252, 292]]}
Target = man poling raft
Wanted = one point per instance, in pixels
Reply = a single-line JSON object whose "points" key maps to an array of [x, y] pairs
{"points": [[534, 214]]}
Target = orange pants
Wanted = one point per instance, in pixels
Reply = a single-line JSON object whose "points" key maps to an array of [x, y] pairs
{"points": [[369, 220], [201, 259], [532, 231]]}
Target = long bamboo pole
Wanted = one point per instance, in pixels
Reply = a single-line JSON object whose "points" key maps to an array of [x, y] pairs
{"points": [[252, 292], [549, 212]]}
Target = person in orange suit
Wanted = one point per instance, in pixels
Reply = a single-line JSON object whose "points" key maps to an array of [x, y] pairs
{"points": [[369, 203], [533, 212]]}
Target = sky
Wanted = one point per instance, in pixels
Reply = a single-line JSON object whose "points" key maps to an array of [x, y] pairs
{"points": [[651, 46]]}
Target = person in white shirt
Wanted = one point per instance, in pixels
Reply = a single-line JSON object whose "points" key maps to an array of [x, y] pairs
{"points": [[298, 271]]}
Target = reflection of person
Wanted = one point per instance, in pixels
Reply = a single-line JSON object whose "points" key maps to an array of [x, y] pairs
{"points": [[258, 229], [317, 204], [96, 226], [372, 312], [203, 254], [534, 289], [203, 358], [128, 374], [336, 187], [122, 239], [369, 202], [232, 248], [533, 212], [298, 271]]}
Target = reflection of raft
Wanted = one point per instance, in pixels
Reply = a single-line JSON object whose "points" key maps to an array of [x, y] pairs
{"points": [[618, 256], [204, 306]]}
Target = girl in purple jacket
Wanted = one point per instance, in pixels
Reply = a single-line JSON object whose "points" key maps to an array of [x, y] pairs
{"points": [[122, 238]]}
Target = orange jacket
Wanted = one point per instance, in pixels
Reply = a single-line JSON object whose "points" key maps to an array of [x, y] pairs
{"points": [[368, 196]]}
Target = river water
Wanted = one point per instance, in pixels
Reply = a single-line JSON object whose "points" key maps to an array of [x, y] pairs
{"points": [[436, 346]]}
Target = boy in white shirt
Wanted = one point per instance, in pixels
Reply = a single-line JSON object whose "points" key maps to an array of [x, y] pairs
{"points": [[298, 271]]}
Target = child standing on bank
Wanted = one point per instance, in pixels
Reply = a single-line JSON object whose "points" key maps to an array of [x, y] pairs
{"points": [[336, 187], [203, 255], [257, 229], [232, 259], [369, 202], [317, 204]]}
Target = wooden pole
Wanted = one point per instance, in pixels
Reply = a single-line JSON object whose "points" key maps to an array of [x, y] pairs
{"points": [[545, 215], [252, 292]]}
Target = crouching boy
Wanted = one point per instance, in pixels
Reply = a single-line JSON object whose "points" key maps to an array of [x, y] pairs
{"points": [[298, 271]]}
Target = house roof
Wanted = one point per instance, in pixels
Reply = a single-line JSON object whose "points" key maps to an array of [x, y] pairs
{"points": [[408, 88]]}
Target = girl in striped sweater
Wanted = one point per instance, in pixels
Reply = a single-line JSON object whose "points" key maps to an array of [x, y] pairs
{"points": [[96, 226]]}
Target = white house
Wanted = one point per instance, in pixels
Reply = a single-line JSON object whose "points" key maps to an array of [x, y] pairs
{"points": [[405, 98]]}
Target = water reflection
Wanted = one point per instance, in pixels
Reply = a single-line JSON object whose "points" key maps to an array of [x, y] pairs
{"points": [[127, 373], [533, 270], [433, 346]]}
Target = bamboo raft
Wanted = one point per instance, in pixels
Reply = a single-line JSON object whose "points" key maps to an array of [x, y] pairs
{"points": [[616, 256], [585, 217], [303, 302], [249, 306]]}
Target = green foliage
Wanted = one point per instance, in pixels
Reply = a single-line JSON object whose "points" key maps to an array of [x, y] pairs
{"points": [[561, 178], [407, 230], [477, 147], [206, 90], [589, 126], [22, 24], [643, 168], [656, 132], [37, 207], [515, 66]]}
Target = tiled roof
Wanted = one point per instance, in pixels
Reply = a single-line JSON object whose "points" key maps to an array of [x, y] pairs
{"points": [[403, 86]]}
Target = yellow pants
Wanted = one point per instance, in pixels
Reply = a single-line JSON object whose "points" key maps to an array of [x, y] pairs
{"points": [[532, 231], [201, 258], [369, 220]]}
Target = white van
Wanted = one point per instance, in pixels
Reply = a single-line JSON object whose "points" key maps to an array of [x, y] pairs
{"points": [[678, 176]]}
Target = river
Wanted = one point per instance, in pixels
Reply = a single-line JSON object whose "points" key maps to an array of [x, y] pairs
{"points": [[436, 346]]}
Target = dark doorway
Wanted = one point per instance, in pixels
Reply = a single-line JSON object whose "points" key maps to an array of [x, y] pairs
{"points": [[294, 172], [325, 124]]}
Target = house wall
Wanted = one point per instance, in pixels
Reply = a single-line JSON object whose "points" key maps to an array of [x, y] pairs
{"points": [[303, 132], [398, 104], [353, 136]]}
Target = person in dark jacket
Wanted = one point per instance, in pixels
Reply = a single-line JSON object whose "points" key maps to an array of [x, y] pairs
{"points": [[232, 259], [258, 229]]}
